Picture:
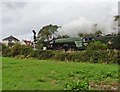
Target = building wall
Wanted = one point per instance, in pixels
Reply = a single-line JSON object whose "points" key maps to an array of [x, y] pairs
{"points": [[7, 41]]}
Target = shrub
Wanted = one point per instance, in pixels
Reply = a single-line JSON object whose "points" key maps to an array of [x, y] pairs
{"points": [[77, 85], [5, 50], [0, 49], [98, 53], [20, 56], [25, 50], [41, 54], [113, 56], [15, 50], [18, 50], [96, 45], [34, 54]]}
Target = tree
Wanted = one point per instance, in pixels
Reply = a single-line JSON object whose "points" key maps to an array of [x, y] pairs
{"points": [[47, 33], [84, 34], [63, 36], [116, 18], [98, 33], [81, 34]]}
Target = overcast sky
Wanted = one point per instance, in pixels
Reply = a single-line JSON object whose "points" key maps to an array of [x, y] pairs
{"points": [[20, 18]]}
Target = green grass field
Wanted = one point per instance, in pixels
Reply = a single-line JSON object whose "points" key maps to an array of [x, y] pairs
{"points": [[28, 74]]}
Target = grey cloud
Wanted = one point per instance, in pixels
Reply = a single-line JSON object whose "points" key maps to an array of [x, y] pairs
{"points": [[14, 5], [20, 18]]}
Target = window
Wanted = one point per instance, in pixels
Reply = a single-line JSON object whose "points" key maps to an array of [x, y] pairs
{"points": [[9, 41]]}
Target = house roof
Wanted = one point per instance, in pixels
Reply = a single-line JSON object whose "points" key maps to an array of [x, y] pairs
{"points": [[28, 42], [11, 38]]}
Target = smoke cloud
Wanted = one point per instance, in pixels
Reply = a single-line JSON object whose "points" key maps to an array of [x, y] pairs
{"points": [[102, 15]]}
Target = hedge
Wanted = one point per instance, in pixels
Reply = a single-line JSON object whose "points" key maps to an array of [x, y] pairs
{"points": [[89, 55], [95, 56]]}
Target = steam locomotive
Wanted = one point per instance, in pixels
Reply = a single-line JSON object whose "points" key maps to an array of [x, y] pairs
{"points": [[80, 43]]}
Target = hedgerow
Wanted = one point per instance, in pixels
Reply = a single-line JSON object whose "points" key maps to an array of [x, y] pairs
{"points": [[91, 54]]}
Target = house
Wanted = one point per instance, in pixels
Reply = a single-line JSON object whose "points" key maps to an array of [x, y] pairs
{"points": [[10, 40], [26, 42]]}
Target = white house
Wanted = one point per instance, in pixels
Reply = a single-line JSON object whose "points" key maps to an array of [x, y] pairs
{"points": [[10, 40]]}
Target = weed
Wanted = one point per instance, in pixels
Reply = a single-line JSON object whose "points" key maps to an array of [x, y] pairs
{"points": [[77, 85]]}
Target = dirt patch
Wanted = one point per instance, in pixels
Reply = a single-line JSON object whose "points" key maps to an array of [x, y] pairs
{"points": [[103, 86]]}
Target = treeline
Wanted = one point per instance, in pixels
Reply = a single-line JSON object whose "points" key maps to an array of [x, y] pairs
{"points": [[96, 52]]}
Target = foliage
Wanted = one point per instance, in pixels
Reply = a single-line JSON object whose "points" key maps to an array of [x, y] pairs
{"points": [[5, 50], [46, 33], [40, 54], [84, 34], [63, 36], [78, 85], [96, 33], [116, 18], [96, 45], [40, 44], [93, 56], [0, 47], [15, 50], [25, 50], [95, 53]]}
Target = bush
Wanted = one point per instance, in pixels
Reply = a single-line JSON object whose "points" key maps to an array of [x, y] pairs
{"points": [[34, 54], [98, 53], [5, 50], [20, 56], [15, 50], [41, 54], [25, 50], [77, 86], [0, 49], [96, 45], [18, 50], [113, 56]]}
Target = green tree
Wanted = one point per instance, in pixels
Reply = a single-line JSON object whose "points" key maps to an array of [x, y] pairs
{"points": [[80, 34], [46, 34], [63, 36], [116, 18], [97, 33], [84, 34]]}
